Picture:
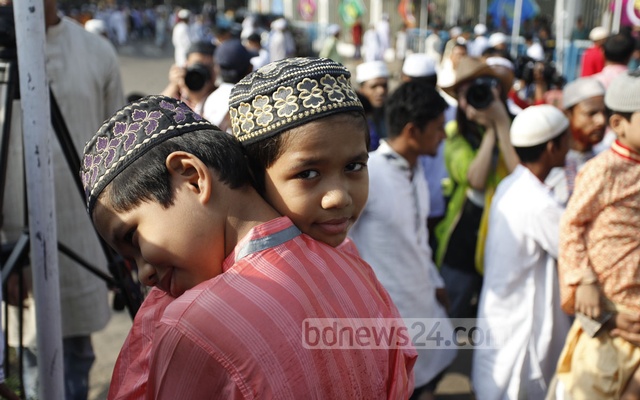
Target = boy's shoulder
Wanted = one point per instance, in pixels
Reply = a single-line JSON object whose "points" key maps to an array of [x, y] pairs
{"points": [[292, 270]]}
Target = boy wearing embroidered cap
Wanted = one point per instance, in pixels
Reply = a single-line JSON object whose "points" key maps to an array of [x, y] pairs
{"points": [[599, 253], [169, 191], [519, 300], [305, 137]]}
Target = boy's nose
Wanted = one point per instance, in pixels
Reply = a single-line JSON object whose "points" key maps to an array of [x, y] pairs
{"points": [[336, 198], [146, 273]]}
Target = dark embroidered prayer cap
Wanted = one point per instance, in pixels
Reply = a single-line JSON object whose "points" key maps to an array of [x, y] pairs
{"points": [[287, 93], [129, 134]]}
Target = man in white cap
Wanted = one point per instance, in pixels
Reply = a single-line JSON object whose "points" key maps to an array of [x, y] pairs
{"points": [[373, 78], [433, 43], [97, 26], [519, 303], [180, 38], [480, 43], [391, 234], [372, 46], [498, 41], [583, 104], [278, 40], [420, 67], [330, 44], [593, 57]]}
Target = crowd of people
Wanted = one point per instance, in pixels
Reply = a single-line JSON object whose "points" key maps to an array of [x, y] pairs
{"points": [[261, 192]]}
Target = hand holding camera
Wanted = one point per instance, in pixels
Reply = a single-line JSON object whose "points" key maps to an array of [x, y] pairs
{"points": [[484, 96]]}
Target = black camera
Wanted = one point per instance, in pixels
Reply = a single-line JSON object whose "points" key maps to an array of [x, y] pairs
{"points": [[196, 76], [479, 94]]}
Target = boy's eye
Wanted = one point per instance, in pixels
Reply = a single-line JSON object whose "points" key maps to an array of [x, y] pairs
{"points": [[128, 237], [357, 166], [307, 174]]}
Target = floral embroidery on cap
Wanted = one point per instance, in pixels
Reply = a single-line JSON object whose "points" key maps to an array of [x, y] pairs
{"points": [[287, 93], [286, 102], [263, 110], [332, 88], [130, 133]]}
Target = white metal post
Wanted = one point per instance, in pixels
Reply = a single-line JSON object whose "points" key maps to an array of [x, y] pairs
{"points": [[424, 23], [483, 12], [288, 9], [617, 16], [560, 35], [376, 12], [515, 28], [37, 131]]}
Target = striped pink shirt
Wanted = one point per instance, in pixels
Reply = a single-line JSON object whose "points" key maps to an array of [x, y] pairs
{"points": [[240, 334]]}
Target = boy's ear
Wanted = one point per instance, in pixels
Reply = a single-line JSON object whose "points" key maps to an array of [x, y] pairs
{"points": [[411, 130], [186, 169], [616, 122]]}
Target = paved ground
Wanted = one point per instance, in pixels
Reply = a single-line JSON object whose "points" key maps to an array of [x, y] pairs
{"points": [[144, 70]]}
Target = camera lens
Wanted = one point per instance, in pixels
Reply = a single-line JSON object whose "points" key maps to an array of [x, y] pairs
{"points": [[196, 76], [479, 94]]}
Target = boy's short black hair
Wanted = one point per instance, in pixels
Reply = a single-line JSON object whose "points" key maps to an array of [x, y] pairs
{"points": [[619, 47], [415, 102], [261, 155], [533, 153], [147, 178]]}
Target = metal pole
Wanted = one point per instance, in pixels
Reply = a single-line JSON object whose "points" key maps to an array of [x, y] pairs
{"points": [[453, 12], [617, 16], [288, 9], [37, 131], [483, 12], [265, 6], [560, 35], [376, 12], [424, 23], [515, 28]]}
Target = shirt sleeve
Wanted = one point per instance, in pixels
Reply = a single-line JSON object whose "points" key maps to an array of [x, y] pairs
{"points": [[584, 205], [130, 374], [434, 276], [545, 228]]}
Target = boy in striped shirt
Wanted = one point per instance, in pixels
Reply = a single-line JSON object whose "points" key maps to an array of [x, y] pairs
{"points": [[226, 336]]}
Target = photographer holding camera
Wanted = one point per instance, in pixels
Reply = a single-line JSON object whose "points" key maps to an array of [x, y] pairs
{"points": [[194, 82], [478, 154]]}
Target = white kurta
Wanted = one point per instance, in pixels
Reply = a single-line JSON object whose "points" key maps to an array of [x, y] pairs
{"points": [[84, 75], [371, 46], [216, 107], [391, 235], [181, 42], [520, 300]]}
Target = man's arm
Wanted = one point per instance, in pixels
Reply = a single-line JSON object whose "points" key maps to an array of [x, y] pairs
{"points": [[627, 326]]}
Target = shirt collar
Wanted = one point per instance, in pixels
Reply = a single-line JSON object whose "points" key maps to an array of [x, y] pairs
{"points": [[394, 158], [625, 152], [261, 237], [526, 171]]}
